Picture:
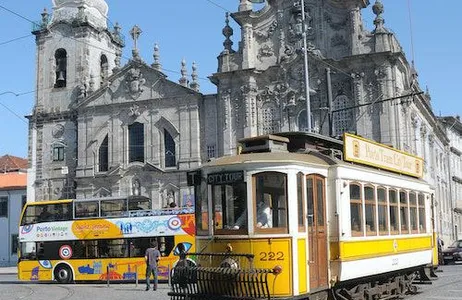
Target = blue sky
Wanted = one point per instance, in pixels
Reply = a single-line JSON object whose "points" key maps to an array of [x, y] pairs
{"points": [[191, 29]]}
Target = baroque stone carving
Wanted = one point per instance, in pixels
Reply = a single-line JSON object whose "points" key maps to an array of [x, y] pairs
{"points": [[338, 40], [58, 131], [134, 82], [265, 51]]}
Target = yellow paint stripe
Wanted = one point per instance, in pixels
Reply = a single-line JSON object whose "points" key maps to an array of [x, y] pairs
{"points": [[355, 250]]}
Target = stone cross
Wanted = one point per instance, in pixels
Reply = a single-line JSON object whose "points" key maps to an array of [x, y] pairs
{"points": [[135, 33]]}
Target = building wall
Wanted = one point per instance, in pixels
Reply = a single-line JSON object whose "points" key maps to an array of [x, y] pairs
{"points": [[9, 226]]}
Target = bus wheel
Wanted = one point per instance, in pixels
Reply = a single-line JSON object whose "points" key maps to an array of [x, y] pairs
{"points": [[63, 274]]}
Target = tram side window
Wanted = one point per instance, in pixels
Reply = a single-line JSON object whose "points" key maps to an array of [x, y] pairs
{"points": [[271, 201], [403, 212], [422, 223], [301, 209], [413, 212], [230, 202], [394, 211], [356, 210], [202, 209], [369, 200], [382, 210], [87, 209]]}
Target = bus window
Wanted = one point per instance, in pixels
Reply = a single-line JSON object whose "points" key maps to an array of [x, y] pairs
{"points": [[87, 209], [28, 250], [30, 215], [139, 203], [114, 208]]}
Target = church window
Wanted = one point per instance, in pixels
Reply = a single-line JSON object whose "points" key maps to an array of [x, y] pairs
{"points": [[103, 154], [136, 142], [269, 118], [170, 160], [302, 122], [61, 68], [58, 153], [342, 118], [104, 68], [210, 151]]}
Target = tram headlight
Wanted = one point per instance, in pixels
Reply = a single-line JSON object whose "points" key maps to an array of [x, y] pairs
{"points": [[229, 263], [277, 270]]}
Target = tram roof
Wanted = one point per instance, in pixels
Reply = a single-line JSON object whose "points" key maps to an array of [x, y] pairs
{"points": [[315, 158]]}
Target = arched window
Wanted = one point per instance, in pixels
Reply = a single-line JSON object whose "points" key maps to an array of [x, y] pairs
{"points": [[356, 210], [104, 68], [394, 214], [383, 210], [370, 206], [170, 153], [103, 155], [302, 121], [136, 142], [61, 68]]}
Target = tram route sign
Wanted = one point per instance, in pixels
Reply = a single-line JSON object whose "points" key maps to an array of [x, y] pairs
{"points": [[367, 152], [225, 177]]}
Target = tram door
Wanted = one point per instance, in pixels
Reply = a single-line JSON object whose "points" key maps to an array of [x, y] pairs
{"points": [[317, 231]]}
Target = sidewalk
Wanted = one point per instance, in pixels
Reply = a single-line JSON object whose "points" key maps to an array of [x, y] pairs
{"points": [[8, 270]]}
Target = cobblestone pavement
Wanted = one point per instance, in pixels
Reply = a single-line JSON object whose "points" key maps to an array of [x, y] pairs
{"points": [[447, 287]]}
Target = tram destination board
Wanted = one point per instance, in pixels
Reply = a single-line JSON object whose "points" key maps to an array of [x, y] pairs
{"points": [[225, 177]]}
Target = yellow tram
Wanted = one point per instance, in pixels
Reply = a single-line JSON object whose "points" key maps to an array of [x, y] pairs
{"points": [[309, 210]]}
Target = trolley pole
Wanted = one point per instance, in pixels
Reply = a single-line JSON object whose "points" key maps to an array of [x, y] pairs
{"points": [[307, 78]]}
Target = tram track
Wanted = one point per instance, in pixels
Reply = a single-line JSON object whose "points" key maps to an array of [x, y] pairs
{"points": [[70, 292], [31, 292]]}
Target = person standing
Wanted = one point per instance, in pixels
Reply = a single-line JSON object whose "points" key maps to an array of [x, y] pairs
{"points": [[152, 259]]}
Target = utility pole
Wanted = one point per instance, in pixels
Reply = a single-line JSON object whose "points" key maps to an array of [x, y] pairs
{"points": [[307, 78]]}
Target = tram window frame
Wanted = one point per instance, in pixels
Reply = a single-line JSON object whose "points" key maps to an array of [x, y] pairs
{"points": [[202, 209], [421, 211], [404, 226], [413, 212], [370, 200], [301, 201], [358, 203], [233, 221], [382, 211], [393, 207], [278, 221]]}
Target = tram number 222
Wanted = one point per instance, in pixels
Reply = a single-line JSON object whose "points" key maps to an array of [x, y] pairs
{"points": [[270, 256]]}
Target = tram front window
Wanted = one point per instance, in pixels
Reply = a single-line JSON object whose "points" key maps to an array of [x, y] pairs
{"points": [[229, 202]]}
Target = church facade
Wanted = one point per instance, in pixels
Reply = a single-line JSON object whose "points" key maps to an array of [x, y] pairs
{"points": [[100, 129]]}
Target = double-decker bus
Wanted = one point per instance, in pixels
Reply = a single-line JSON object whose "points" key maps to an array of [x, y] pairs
{"points": [[99, 239]]}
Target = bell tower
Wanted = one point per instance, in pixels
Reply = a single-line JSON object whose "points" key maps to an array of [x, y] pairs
{"points": [[76, 53]]}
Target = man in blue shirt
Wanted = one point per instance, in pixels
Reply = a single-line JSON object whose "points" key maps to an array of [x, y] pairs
{"points": [[152, 258]]}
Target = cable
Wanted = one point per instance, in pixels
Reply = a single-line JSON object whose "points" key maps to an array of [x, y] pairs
{"points": [[16, 39], [218, 5]]}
